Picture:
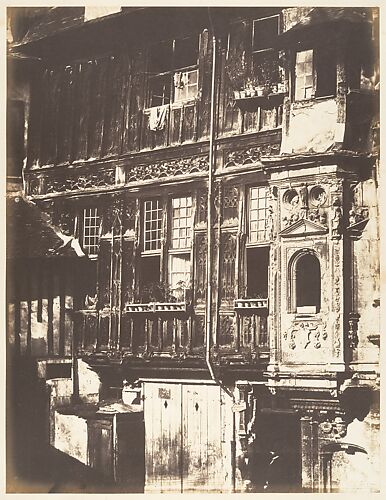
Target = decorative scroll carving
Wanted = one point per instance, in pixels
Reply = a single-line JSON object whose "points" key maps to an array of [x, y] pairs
{"points": [[305, 334], [202, 205], [336, 300], [250, 155], [167, 168], [78, 181]]}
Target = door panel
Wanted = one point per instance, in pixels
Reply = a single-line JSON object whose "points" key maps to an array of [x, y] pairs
{"points": [[163, 446]]}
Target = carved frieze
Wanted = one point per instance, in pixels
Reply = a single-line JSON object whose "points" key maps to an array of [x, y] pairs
{"points": [[79, 179], [167, 168], [250, 155], [78, 182]]}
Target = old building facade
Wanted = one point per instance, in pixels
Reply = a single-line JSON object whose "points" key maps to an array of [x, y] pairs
{"points": [[219, 168]]}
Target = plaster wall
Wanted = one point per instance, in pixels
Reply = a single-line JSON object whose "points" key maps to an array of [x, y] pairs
{"points": [[311, 127]]}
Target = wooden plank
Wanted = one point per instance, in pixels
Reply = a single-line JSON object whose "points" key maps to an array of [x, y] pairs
{"points": [[62, 313], [201, 429], [189, 122], [36, 115], [97, 107], [69, 112], [137, 96], [85, 78]]}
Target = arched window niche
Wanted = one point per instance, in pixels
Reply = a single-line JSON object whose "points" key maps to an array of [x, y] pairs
{"points": [[305, 283]]}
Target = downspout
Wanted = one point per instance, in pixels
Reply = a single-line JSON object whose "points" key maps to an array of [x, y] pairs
{"points": [[209, 315], [210, 211]]}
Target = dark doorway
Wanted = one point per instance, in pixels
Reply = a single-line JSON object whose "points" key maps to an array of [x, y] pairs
{"points": [[257, 272], [276, 463]]}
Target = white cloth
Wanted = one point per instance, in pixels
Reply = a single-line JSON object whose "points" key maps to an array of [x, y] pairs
{"points": [[158, 115]]}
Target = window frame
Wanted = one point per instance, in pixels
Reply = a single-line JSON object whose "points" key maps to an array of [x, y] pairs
{"points": [[82, 218], [181, 251], [316, 70], [266, 240], [159, 209], [171, 75], [265, 50], [293, 284]]}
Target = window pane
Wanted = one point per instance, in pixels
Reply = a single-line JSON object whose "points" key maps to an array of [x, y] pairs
{"points": [[159, 90], [182, 219], [257, 213], [304, 75], [153, 224], [179, 270], [91, 224]]}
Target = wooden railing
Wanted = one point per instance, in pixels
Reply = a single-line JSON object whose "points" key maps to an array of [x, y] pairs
{"points": [[173, 330]]}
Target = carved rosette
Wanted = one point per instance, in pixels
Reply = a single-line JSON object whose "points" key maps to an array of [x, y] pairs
{"points": [[333, 428], [304, 202]]}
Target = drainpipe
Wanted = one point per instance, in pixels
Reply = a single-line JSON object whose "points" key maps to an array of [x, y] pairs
{"points": [[210, 211], [209, 315]]}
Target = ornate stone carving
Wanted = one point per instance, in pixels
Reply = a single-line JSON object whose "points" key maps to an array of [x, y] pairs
{"points": [[336, 219], [303, 204], [167, 168], [305, 334], [335, 429], [352, 334], [336, 298], [250, 155]]}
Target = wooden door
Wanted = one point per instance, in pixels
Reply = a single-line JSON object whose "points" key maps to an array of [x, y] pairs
{"points": [[163, 437], [185, 447], [202, 455]]}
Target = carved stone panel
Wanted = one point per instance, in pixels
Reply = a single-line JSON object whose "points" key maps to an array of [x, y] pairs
{"points": [[305, 341]]}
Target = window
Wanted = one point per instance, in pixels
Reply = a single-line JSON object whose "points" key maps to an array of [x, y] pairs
{"points": [[258, 210], [315, 73], [257, 272], [304, 75], [265, 58], [305, 283], [91, 223], [181, 222], [180, 244], [173, 71], [152, 225]]}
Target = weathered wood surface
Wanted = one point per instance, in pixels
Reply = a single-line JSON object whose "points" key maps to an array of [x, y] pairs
{"points": [[185, 441]]}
